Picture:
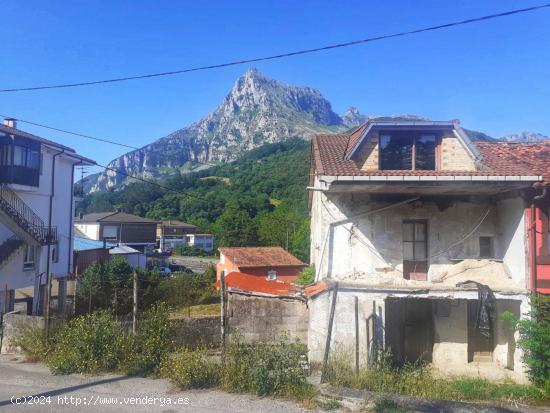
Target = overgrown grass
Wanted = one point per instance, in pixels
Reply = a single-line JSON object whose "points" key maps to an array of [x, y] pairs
{"points": [[418, 380], [33, 343], [262, 369], [200, 310]]}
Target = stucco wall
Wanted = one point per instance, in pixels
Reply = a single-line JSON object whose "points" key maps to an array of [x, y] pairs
{"points": [[266, 319], [38, 199]]}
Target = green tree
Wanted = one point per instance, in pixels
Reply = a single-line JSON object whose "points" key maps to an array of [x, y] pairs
{"points": [[279, 227], [301, 241], [235, 228], [534, 339]]}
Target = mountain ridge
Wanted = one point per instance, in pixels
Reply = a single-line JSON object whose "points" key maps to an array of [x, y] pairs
{"points": [[256, 111]]}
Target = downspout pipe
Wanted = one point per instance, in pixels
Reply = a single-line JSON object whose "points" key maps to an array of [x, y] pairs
{"points": [[534, 273], [71, 218], [50, 211]]}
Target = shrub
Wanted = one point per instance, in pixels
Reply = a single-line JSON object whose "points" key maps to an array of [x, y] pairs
{"points": [[88, 344], [33, 342], [190, 369], [534, 338], [306, 277], [265, 369], [154, 339]]}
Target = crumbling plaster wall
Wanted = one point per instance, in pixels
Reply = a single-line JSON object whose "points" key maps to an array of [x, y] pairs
{"points": [[343, 328], [371, 245], [450, 350]]}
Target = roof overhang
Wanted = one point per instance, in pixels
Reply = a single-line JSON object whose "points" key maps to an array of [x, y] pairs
{"points": [[420, 184]]}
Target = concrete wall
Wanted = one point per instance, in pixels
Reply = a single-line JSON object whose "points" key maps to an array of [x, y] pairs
{"points": [[512, 243], [266, 319], [12, 325]]}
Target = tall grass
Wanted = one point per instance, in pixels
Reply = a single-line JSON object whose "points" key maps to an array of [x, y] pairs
{"points": [[418, 380]]}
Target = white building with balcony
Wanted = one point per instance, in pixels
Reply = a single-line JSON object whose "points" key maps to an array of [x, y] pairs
{"points": [[36, 216]]}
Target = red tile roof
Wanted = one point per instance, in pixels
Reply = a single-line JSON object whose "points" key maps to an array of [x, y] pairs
{"points": [[248, 257], [534, 156], [258, 284], [499, 158]]}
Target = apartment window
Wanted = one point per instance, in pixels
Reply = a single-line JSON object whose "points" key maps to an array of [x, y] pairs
{"points": [[406, 151], [29, 260], [272, 275], [486, 247], [27, 157]]}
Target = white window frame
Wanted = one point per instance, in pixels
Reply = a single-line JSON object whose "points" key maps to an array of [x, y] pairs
{"points": [[272, 275]]}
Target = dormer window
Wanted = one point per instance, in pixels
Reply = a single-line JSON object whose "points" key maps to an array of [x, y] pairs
{"points": [[404, 151]]}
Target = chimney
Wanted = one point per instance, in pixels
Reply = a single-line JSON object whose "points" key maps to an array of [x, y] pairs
{"points": [[12, 123]]}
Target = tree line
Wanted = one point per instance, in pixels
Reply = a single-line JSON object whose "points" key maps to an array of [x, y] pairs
{"points": [[258, 200]]}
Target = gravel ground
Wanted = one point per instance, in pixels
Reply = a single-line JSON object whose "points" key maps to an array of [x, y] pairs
{"points": [[113, 393]]}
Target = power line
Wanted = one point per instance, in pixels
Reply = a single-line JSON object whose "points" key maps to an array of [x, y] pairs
{"points": [[284, 55], [69, 132]]}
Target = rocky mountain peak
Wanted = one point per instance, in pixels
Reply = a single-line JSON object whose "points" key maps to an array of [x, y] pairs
{"points": [[353, 118], [524, 136]]}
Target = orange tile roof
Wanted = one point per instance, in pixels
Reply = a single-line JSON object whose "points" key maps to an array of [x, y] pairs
{"points": [[499, 158], [248, 257], [315, 289], [258, 284]]}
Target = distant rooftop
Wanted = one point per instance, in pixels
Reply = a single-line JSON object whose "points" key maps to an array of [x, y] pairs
{"points": [[114, 217], [251, 257]]}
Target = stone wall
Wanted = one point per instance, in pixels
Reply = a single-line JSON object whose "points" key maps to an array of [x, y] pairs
{"points": [[12, 324], [367, 154], [454, 156], [266, 319], [198, 332]]}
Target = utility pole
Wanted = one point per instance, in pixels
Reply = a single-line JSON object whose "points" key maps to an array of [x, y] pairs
{"points": [[222, 305], [47, 304], [135, 307]]}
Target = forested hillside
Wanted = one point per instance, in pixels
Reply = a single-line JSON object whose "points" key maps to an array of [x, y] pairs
{"points": [[260, 199]]}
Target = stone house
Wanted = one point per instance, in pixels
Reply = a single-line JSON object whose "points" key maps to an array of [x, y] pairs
{"points": [[411, 221]]}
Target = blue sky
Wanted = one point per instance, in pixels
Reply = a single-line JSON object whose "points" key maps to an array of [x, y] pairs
{"points": [[494, 76]]}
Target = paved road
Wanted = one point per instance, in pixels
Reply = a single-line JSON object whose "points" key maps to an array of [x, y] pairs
{"points": [[112, 393]]}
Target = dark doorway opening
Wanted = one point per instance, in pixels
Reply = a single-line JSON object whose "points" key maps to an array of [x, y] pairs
{"points": [[409, 329]]}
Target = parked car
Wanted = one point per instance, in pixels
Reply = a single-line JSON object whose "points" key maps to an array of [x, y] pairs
{"points": [[164, 271]]}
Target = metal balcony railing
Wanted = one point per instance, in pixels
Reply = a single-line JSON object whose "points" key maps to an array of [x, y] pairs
{"points": [[23, 215], [8, 247]]}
